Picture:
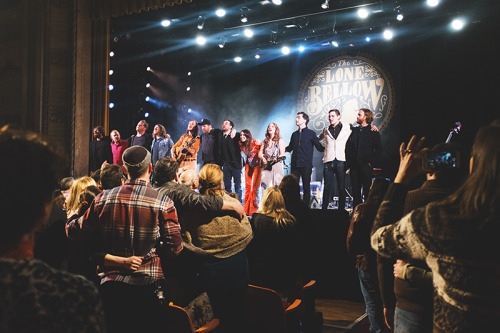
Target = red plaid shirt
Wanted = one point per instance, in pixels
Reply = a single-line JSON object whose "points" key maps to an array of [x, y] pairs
{"points": [[127, 220]]}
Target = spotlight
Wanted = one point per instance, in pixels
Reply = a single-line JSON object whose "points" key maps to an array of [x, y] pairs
{"points": [[237, 59], [399, 13], [388, 34], [148, 69], [248, 33], [110, 72], [368, 39], [244, 17], [200, 40], [326, 4], [302, 48], [277, 2], [148, 85], [188, 88], [201, 22], [111, 105], [222, 41], [220, 12], [457, 24], [189, 73], [146, 114], [189, 110], [166, 23], [257, 56], [432, 3], [363, 13], [111, 87], [335, 44], [285, 50], [147, 98], [111, 54]]}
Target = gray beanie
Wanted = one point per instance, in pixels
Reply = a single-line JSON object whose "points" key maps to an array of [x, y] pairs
{"points": [[136, 159]]}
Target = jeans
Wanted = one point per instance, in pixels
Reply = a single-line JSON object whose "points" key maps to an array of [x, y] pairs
{"points": [[333, 169], [368, 282], [232, 174], [412, 322], [305, 173]]}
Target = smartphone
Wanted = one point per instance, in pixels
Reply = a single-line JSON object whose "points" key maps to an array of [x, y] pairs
{"points": [[438, 160]]}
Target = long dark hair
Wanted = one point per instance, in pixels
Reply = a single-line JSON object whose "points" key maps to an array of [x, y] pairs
{"points": [[247, 145], [194, 131], [479, 196]]}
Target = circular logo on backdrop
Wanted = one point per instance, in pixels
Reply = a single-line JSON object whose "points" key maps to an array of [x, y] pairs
{"points": [[347, 83]]}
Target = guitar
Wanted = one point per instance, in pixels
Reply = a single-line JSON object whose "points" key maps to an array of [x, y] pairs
{"points": [[181, 153], [271, 162], [454, 130]]}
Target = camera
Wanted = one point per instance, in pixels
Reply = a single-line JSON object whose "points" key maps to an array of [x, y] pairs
{"points": [[438, 160]]}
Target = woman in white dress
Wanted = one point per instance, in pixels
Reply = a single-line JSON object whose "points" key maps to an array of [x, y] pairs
{"points": [[272, 154]]}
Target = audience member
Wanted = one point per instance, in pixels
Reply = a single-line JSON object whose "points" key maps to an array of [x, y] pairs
{"points": [[410, 296], [358, 244], [129, 296], [190, 179], [273, 254], [111, 177], [220, 240], [65, 186], [456, 237], [118, 146], [35, 297], [72, 202]]}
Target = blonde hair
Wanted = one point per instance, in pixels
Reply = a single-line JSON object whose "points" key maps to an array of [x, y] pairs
{"points": [[273, 205], [210, 178], [72, 202]]}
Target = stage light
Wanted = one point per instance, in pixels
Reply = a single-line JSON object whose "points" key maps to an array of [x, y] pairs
{"points": [[368, 39], [335, 44], [148, 85], [200, 40], [222, 41], [166, 23], [363, 13], [432, 3], [189, 73], [110, 72], [326, 4], [237, 59], [201, 22], [189, 110], [257, 56], [277, 2], [248, 33], [147, 98], [220, 12], [244, 16], [388, 34], [302, 48], [146, 114], [111, 87], [457, 24], [111, 105], [285, 50], [111, 54], [399, 13], [148, 69], [188, 88]]}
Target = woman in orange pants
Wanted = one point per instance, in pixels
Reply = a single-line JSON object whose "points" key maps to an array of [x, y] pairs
{"points": [[251, 147]]}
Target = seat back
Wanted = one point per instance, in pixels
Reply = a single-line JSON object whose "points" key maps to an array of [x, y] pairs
{"points": [[264, 311], [177, 320]]}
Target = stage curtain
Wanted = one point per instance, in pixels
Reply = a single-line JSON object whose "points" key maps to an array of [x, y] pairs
{"points": [[104, 9]]}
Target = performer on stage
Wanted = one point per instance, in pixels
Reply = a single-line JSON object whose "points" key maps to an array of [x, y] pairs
{"points": [[185, 150], [251, 147], [272, 155]]}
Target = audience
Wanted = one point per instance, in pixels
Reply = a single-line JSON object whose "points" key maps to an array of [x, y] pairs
{"points": [[72, 202], [35, 297], [221, 240], [190, 179], [456, 237], [274, 253], [358, 245], [112, 176]]}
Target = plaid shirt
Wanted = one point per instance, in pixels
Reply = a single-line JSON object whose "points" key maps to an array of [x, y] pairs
{"points": [[127, 220]]}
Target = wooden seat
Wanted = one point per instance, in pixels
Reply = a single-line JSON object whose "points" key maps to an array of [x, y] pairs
{"points": [[178, 321], [265, 312]]}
